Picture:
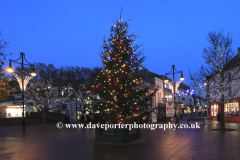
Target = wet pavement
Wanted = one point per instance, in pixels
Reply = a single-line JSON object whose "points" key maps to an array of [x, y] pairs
{"points": [[48, 142]]}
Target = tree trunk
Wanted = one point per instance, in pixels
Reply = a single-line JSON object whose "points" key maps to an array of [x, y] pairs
{"points": [[222, 101], [45, 110], [222, 113]]}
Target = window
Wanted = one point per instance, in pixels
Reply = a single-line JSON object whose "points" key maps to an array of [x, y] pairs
{"points": [[64, 106], [63, 93], [229, 77], [166, 85], [215, 92], [231, 109], [159, 86], [214, 109], [230, 91], [160, 97], [168, 96], [214, 95], [18, 96]]}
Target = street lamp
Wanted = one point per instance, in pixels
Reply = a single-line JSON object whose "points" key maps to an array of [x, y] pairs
{"points": [[173, 72], [23, 81], [166, 80]]}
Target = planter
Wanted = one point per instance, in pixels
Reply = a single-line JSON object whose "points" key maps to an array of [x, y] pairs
{"points": [[117, 135]]}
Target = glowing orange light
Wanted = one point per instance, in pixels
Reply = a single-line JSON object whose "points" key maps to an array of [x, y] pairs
{"points": [[10, 70]]}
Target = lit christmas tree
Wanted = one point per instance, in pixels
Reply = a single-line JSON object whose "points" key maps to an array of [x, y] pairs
{"points": [[119, 98]]}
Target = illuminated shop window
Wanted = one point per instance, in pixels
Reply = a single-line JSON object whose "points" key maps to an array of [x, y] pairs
{"points": [[231, 109], [13, 113], [169, 111], [214, 109]]}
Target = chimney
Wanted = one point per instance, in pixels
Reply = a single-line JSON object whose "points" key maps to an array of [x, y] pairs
{"points": [[238, 52]]}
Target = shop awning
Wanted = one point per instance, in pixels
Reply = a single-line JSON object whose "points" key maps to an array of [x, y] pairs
{"points": [[183, 107]]}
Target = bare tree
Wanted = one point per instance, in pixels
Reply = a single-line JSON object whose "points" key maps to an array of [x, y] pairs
{"points": [[79, 80], [220, 74], [43, 90]]}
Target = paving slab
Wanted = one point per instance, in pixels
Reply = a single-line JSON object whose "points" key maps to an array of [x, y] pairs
{"points": [[47, 142]]}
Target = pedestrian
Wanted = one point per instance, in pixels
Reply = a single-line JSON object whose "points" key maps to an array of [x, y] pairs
{"points": [[82, 118], [85, 119], [88, 118]]}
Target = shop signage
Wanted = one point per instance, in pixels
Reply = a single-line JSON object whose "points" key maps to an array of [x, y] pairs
{"points": [[164, 99]]}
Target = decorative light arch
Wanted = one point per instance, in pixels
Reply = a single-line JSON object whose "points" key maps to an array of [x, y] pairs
{"points": [[26, 80]]}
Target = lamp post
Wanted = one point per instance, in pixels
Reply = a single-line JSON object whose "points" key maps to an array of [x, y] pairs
{"points": [[173, 72], [23, 81], [206, 84]]}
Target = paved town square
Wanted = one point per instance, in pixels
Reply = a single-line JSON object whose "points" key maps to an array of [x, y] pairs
{"points": [[48, 142], [120, 80]]}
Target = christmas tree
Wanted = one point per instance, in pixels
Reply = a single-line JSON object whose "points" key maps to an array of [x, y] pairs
{"points": [[119, 98]]}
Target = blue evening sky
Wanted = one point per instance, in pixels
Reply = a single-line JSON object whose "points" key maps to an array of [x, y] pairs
{"points": [[70, 33]]}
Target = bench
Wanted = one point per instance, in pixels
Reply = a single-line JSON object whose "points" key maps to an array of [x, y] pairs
{"points": [[196, 119]]}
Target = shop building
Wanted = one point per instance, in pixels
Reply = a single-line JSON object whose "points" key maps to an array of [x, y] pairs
{"points": [[163, 100], [184, 99], [231, 110], [200, 105], [232, 102], [14, 109]]}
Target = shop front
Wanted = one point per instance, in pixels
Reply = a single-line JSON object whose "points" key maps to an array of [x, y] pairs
{"points": [[2, 111], [170, 111], [182, 108], [186, 110], [161, 112], [231, 110], [10, 111], [202, 111], [14, 109]]}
